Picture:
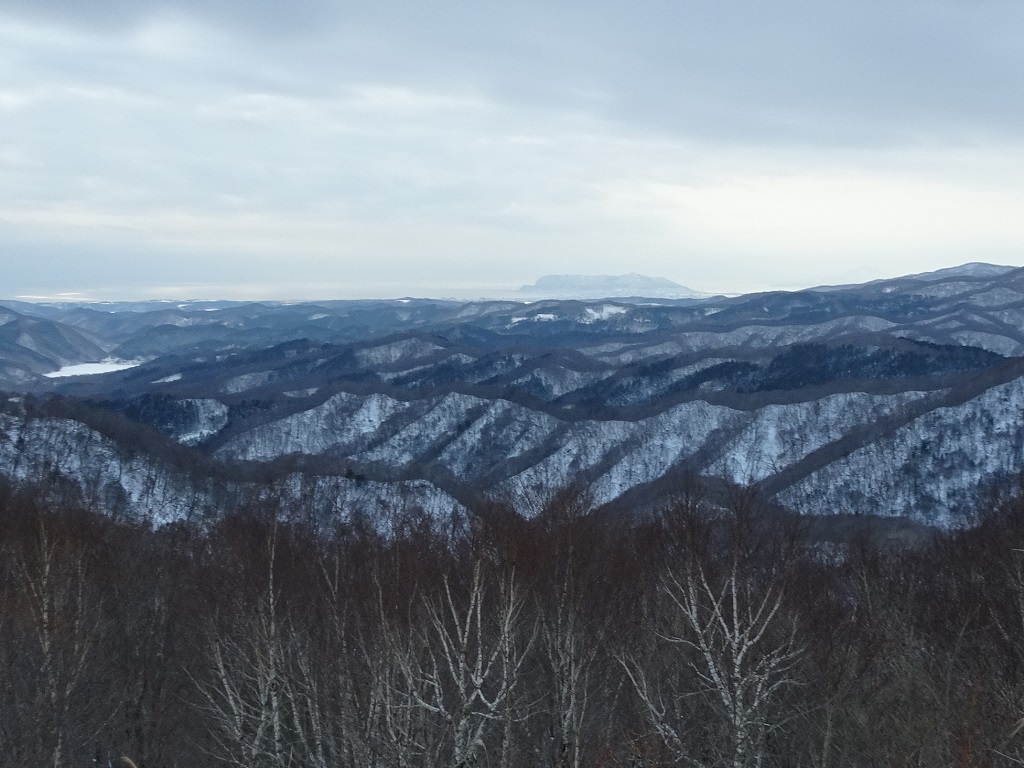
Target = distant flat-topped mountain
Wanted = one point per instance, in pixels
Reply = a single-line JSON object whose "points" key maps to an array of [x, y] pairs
{"points": [[608, 286]]}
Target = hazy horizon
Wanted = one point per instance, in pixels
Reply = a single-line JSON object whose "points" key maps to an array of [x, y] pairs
{"points": [[370, 291]]}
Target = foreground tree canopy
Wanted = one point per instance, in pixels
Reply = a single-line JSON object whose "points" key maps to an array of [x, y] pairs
{"points": [[715, 635]]}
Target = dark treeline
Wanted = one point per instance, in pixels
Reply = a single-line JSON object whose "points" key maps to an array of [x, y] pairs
{"points": [[707, 637]]}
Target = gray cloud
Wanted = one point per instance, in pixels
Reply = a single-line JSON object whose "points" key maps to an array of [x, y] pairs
{"points": [[835, 69], [261, 17]]}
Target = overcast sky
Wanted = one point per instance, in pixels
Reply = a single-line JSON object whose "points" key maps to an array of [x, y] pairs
{"points": [[313, 149]]}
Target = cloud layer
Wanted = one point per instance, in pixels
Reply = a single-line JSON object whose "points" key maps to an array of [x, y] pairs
{"points": [[312, 149]]}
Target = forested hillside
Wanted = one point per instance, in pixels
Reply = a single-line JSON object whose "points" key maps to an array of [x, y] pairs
{"points": [[712, 636]]}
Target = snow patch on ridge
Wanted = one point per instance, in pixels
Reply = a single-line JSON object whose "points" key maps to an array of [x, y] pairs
{"points": [[205, 419], [389, 354], [246, 382], [603, 313]]}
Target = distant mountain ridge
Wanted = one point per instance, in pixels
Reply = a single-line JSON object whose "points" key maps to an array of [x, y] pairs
{"points": [[609, 286], [898, 397], [975, 270]]}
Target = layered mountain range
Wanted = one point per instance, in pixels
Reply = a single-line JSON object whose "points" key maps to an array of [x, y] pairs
{"points": [[898, 397]]}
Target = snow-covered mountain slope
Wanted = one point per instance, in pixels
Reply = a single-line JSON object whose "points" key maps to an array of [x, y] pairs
{"points": [[64, 457], [509, 450], [56, 453], [931, 468], [928, 461]]}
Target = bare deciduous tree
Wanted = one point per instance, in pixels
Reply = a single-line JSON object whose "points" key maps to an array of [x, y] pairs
{"points": [[740, 656], [474, 647], [242, 695], [63, 629]]}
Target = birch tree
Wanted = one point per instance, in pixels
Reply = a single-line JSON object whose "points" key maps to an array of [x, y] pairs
{"points": [[241, 695], [573, 614], [475, 646], [740, 654], [63, 628]]}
